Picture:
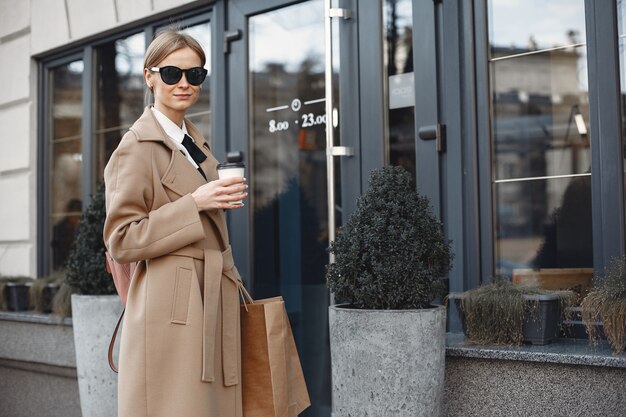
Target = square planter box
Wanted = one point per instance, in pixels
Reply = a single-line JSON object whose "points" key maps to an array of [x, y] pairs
{"points": [[541, 325], [16, 296]]}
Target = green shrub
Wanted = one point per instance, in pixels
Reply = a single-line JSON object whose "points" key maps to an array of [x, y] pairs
{"points": [[86, 265], [391, 254], [607, 303]]}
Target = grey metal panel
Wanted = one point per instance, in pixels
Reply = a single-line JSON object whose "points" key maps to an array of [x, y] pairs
{"points": [[218, 83], [371, 105], [471, 203], [43, 166], [248, 8], [236, 64], [87, 125], [425, 58], [483, 152], [459, 164], [349, 128], [606, 127]]}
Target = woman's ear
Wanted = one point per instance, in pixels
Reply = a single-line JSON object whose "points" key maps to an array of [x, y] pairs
{"points": [[147, 75]]}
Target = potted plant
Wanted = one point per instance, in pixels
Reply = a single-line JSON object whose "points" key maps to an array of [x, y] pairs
{"points": [[503, 312], [388, 342], [95, 311], [606, 303]]}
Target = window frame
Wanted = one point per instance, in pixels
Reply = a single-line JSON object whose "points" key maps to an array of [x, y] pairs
{"points": [[85, 52], [604, 120]]}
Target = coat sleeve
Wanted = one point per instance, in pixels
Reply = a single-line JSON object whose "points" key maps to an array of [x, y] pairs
{"points": [[132, 230]]}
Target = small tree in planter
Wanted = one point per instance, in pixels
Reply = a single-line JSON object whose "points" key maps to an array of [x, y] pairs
{"points": [[86, 268], [95, 310], [388, 343], [607, 304]]}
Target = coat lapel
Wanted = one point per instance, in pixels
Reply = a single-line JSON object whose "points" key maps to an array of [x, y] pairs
{"points": [[180, 176]]}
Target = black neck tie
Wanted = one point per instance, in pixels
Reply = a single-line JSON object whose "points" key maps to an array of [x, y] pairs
{"points": [[196, 154]]}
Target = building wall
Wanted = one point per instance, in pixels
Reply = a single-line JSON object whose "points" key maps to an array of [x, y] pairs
{"points": [[29, 29], [17, 139]]}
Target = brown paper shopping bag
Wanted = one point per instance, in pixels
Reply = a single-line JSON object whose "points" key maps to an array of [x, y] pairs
{"points": [[272, 378]]}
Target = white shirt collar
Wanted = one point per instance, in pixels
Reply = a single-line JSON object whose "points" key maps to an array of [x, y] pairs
{"points": [[174, 132], [171, 129]]}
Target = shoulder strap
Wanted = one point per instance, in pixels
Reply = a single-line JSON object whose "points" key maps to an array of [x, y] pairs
{"points": [[112, 343]]}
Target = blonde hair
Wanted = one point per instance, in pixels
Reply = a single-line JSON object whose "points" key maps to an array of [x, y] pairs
{"points": [[166, 42]]}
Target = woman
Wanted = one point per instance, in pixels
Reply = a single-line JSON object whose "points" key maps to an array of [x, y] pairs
{"points": [[180, 346]]}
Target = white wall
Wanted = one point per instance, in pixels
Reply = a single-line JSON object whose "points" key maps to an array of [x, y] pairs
{"points": [[30, 28]]}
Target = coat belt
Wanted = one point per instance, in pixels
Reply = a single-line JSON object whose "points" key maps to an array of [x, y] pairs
{"points": [[219, 265]]}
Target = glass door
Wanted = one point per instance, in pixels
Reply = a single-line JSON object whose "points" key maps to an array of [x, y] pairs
{"points": [[277, 116]]}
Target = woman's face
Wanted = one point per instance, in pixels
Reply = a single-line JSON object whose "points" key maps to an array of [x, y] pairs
{"points": [[174, 100]]}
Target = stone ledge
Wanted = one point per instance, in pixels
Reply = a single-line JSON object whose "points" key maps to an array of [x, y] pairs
{"points": [[37, 338], [41, 368], [34, 317], [564, 351]]}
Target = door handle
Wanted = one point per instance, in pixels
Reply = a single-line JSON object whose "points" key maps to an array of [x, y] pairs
{"points": [[436, 132], [231, 36]]}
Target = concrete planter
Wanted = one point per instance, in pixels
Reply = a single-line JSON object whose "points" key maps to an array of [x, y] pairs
{"points": [[387, 362], [94, 318]]}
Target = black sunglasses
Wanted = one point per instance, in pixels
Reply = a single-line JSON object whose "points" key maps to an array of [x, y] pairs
{"points": [[171, 75]]}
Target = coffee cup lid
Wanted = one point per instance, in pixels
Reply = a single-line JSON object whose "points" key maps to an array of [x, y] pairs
{"points": [[226, 165]]}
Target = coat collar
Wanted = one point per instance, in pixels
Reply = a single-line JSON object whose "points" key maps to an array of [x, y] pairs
{"points": [[151, 130]]}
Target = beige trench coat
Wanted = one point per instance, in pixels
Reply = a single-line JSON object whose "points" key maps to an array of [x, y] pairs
{"points": [[180, 352]]}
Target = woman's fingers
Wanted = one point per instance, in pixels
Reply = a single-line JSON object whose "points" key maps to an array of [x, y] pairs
{"points": [[220, 194]]}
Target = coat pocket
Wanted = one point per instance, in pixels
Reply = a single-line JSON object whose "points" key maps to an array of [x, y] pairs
{"points": [[182, 288]]}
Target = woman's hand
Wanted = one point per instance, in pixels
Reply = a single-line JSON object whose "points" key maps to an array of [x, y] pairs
{"points": [[220, 194]]}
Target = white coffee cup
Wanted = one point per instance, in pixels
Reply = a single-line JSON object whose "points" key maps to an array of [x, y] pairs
{"points": [[231, 170]]}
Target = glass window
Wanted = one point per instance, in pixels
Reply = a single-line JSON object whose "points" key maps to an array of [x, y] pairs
{"points": [[540, 142], [288, 173], [66, 159], [119, 92], [398, 63]]}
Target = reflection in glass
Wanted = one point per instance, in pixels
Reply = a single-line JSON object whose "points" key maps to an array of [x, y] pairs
{"points": [[536, 24], [66, 107], [119, 92], [526, 238], [200, 113], [542, 155], [398, 61], [288, 179]]}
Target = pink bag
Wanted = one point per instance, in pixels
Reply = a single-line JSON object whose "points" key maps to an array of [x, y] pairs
{"points": [[122, 273]]}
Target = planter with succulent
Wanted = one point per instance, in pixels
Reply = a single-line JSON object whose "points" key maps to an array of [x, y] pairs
{"points": [[606, 304], [503, 312], [388, 340], [95, 310]]}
